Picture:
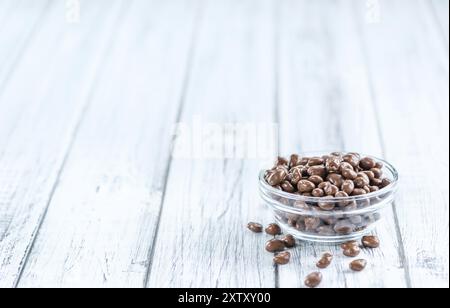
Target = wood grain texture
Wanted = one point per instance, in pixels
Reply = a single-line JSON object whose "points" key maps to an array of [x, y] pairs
{"points": [[91, 196], [202, 239], [19, 21], [39, 119], [409, 70], [325, 103], [102, 218], [440, 10]]}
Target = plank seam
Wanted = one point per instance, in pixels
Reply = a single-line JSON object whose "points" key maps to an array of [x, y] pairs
{"points": [[373, 99], [182, 100], [79, 121]]}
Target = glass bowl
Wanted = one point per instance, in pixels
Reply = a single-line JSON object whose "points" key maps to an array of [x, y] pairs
{"points": [[351, 218]]}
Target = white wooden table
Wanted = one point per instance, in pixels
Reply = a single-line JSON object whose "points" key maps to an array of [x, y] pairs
{"points": [[90, 194]]}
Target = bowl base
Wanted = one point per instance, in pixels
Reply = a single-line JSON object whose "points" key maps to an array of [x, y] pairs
{"points": [[316, 238]]}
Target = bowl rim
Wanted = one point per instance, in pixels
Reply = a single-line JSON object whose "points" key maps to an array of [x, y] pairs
{"points": [[293, 197]]}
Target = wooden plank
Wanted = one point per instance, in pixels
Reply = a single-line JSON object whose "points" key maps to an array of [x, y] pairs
{"points": [[202, 238], [39, 118], [440, 10], [102, 218], [410, 78], [325, 104], [6, 8], [19, 20]]}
